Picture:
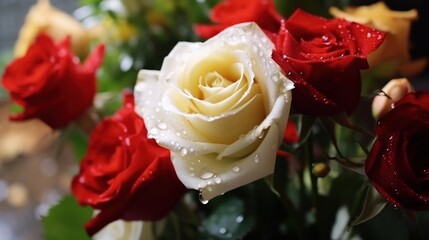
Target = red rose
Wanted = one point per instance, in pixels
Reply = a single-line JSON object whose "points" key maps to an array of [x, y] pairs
{"points": [[231, 12], [124, 174], [50, 83], [324, 58], [398, 163], [291, 133]]}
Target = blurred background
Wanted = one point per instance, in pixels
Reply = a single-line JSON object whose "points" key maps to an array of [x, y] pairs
{"points": [[29, 184]]}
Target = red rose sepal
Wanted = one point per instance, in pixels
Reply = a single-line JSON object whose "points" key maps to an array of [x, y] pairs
{"points": [[231, 12], [50, 84], [323, 57], [124, 174], [398, 163]]}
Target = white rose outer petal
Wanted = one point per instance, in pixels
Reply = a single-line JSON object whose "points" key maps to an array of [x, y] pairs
{"points": [[201, 158], [120, 230]]}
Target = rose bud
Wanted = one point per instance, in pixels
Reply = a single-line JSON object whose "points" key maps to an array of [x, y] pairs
{"points": [[394, 90], [321, 169]]}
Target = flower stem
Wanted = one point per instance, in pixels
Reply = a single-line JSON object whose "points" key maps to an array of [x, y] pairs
{"points": [[308, 151]]}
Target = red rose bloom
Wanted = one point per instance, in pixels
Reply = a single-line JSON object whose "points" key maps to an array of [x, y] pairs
{"points": [[324, 58], [124, 174], [50, 84], [291, 133], [231, 12], [398, 163]]}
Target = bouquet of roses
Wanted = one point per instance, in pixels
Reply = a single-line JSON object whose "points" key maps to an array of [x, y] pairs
{"points": [[253, 122]]}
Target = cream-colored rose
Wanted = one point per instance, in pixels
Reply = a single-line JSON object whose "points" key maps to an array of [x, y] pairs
{"points": [[393, 91], [397, 24], [120, 230], [43, 17], [220, 106]]}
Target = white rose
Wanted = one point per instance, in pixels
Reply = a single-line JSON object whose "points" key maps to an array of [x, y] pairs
{"points": [[220, 106], [120, 230]]}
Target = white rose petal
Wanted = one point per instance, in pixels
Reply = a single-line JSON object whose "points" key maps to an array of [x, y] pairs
{"points": [[120, 230], [220, 106]]}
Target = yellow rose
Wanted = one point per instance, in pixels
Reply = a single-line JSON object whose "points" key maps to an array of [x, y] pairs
{"points": [[396, 24], [393, 91], [42, 17], [220, 106], [113, 30]]}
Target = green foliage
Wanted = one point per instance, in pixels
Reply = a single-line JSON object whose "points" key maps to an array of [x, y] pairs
{"points": [[15, 108], [5, 57], [227, 221], [79, 141], [65, 220]]}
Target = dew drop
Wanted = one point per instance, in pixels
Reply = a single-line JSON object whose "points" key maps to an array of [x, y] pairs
{"points": [[256, 158], [153, 131], [222, 230], [368, 35], [201, 198], [207, 175], [275, 78], [183, 151], [217, 180], [236, 169], [239, 219], [162, 125]]}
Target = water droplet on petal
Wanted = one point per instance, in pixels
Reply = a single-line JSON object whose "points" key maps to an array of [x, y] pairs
{"points": [[153, 131], [256, 158], [207, 175], [201, 198], [183, 151], [162, 125], [236, 169], [217, 180]]}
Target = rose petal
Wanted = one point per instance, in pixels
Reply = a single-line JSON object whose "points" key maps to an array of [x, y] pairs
{"points": [[215, 177]]}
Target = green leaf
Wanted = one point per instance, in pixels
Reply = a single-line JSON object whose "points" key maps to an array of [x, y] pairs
{"points": [[227, 221], [15, 108], [372, 206], [66, 220], [79, 141]]}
